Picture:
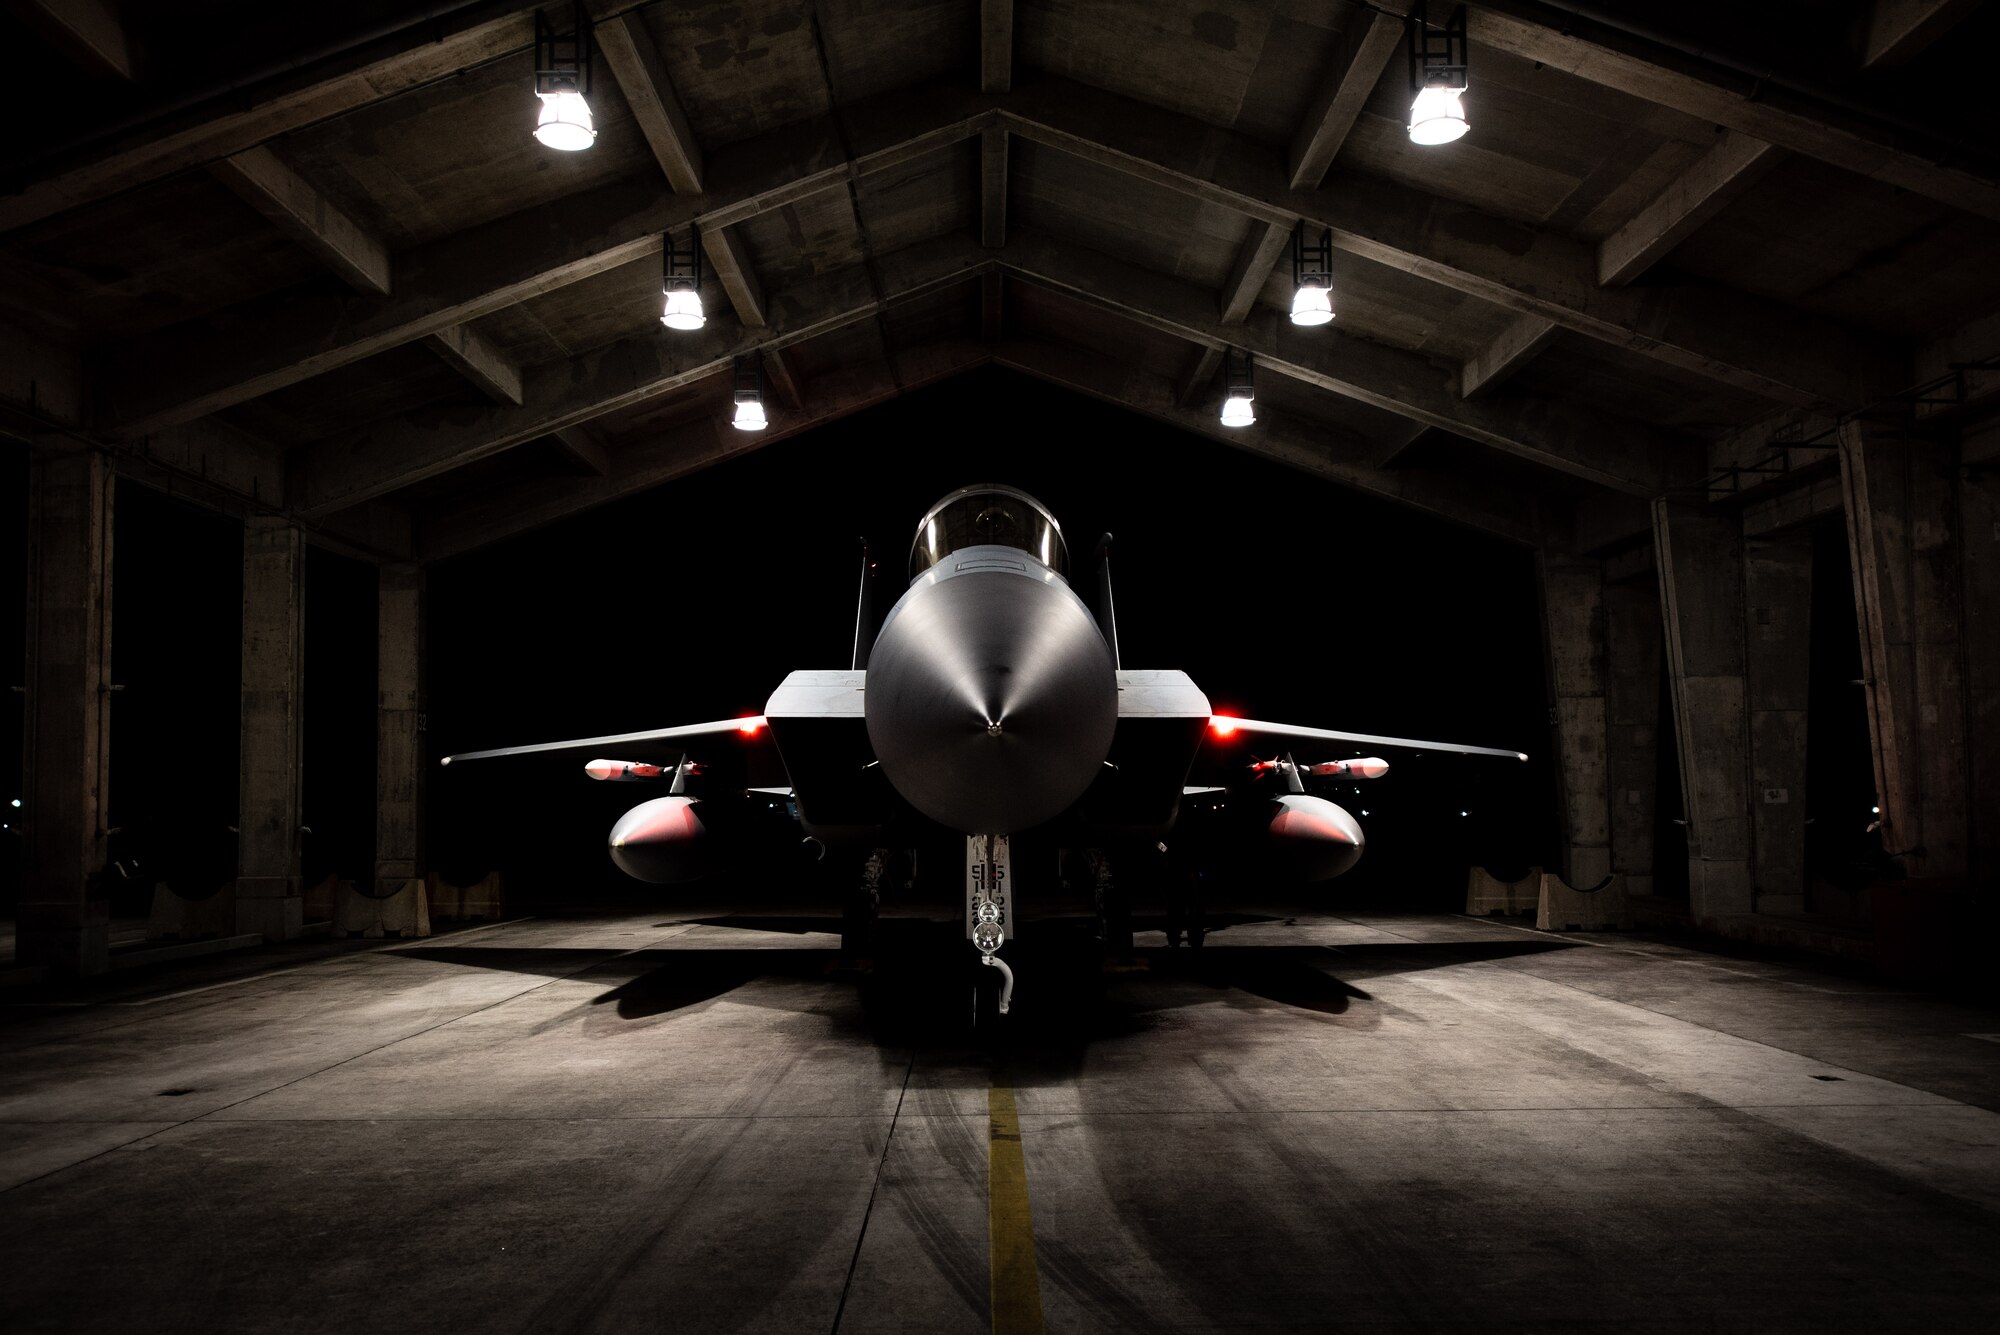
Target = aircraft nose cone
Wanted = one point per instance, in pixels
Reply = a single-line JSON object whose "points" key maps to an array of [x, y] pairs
{"points": [[991, 701]]}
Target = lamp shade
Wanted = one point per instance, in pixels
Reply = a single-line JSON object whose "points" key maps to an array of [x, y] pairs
{"points": [[1311, 304], [749, 415], [1236, 411], [565, 122], [683, 310], [1437, 116]]}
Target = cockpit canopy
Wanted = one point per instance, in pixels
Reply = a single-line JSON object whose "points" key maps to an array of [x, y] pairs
{"points": [[986, 514]]}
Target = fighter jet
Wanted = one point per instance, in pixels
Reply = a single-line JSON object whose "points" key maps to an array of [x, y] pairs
{"points": [[991, 709]]}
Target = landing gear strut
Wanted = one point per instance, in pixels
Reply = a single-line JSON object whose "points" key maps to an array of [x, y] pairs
{"points": [[987, 889], [1114, 907], [863, 907], [1185, 914]]}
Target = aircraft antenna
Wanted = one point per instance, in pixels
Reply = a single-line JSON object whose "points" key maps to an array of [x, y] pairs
{"points": [[1107, 617], [864, 611]]}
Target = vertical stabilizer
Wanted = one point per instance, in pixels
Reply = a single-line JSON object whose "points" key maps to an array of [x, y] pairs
{"points": [[1107, 617], [864, 611]]}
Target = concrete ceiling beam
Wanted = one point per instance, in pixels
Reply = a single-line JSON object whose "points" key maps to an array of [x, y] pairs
{"points": [[1733, 337], [1396, 449], [996, 45], [1735, 164], [1311, 447], [192, 370], [663, 456], [1517, 345], [1613, 452], [1710, 91], [780, 375], [1609, 520], [1512, 513], [993, 187], [992, 306], [381, 458], [1260, 254], [295, 207], [244, 118], [1367, 45], [1199, 378], [219, 468], [731, 263], [1895, 30], [41, 375], [584, 448], [89, 32], [635, 63], [472, 356]]}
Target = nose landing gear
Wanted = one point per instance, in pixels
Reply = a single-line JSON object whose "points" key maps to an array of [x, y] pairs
{"points": [[986, 892]]}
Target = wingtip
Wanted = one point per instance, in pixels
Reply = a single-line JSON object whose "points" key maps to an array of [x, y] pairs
{"points": [[447, 760], [1521, 756]]}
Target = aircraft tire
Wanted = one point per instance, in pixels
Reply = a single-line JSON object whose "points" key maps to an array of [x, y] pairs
{"points": [[987, 1021], [1114, 912], [864, 906]]}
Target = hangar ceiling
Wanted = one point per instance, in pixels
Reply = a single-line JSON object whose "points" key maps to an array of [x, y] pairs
{"points": [[319, 266]]}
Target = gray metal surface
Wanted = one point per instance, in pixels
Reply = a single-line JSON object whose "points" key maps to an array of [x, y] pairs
{"points": [[991, 698]]}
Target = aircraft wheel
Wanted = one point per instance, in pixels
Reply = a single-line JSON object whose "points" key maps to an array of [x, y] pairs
{"points": [[1114, 913], [864, 907], [987, 1021]]}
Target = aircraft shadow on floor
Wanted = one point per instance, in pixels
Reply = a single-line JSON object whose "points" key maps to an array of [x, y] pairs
{"points": [[917, 989]]}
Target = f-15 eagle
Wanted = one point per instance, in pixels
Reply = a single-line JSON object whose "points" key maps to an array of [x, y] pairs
{"points": [[990, 706]]}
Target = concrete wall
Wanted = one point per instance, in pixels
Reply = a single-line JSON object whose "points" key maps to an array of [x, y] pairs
{"points": [[1734, 613]]}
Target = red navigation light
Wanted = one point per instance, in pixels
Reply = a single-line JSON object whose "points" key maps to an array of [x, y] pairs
{"points": [[750, 727], [1222, 724]]}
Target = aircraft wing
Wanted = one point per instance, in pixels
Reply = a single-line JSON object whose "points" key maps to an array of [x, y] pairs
{"points": [[1224, 726], [745, 727]]}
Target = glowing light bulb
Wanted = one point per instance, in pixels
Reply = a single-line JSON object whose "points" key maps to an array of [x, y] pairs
{"points": [[683, 310], [1236, 411], [749, 416], [1312, 304], [1437, 116], [565, 122]]}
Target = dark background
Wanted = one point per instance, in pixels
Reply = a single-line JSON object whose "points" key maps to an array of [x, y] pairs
{"points": [[1284, 596]]}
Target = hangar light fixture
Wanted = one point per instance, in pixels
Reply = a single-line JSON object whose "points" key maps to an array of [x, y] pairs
{"points": [[1312, 276], [680, 278], [1238, 392], [562, 82], [749, 394], [1437, 77]]}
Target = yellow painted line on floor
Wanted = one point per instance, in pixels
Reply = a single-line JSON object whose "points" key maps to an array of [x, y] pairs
{"points": [[1015, 1290]]}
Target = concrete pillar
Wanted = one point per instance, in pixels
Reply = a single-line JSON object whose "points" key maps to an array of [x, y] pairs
{"points": [[399, 703], [1699, 557], [1777, 641], [1632, 722], [65, 919], [1979, 554], [269, 898], [1902, 530], [1573, 621]]}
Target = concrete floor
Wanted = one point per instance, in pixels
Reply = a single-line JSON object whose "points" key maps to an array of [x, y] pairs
{"points": [[629, 1123]]}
